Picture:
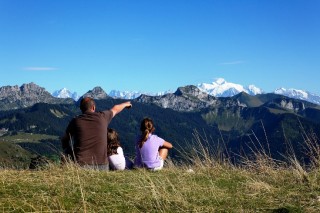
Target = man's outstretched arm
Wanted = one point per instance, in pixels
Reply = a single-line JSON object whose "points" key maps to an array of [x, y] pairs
{"points": [[119, 107]]}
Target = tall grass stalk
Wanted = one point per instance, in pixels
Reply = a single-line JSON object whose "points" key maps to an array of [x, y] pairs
{"points": [[204, 152]]}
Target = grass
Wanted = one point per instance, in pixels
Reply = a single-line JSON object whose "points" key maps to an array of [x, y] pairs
{"points": [[205, 182], [70, 189]]}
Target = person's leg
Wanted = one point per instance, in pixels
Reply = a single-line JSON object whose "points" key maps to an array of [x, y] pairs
{"points": [[163, 152]]}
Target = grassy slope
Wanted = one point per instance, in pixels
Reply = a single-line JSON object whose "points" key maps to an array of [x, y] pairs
{"points": [[13, 156], [27, 137], [16, 150], [208, 184], [205, 189]]}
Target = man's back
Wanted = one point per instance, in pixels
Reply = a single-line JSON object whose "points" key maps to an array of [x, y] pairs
{"points": [[89, 132]]}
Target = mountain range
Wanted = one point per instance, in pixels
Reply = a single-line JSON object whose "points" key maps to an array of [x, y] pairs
{"points": [[219, 88], [275, 120]]}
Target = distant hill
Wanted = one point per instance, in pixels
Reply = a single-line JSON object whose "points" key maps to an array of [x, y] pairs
{"points": [[13, 156], [52, 119]]}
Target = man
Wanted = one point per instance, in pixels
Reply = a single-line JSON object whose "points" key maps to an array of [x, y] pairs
{"points": [[88, 133]]}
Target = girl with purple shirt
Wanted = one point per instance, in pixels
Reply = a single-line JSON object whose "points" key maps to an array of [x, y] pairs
{"points": [[151, 150]]}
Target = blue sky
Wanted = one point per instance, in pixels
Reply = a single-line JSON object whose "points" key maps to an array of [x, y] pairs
{"points": [[159, 45]]}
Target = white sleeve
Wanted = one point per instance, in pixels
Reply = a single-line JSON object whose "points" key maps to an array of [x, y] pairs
{"points": [[118, 160], [120, 151]]}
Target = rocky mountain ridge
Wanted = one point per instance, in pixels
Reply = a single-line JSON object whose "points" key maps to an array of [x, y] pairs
{"points": [[14, 97], [191, 98], [219, 88], [185, 99], [188, 98], [97, 93]]}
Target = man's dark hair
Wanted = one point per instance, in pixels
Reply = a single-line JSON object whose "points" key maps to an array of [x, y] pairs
{"points": [[86, 103]]}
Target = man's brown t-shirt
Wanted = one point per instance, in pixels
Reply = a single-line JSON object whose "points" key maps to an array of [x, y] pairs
{"points": [[89, 134]]}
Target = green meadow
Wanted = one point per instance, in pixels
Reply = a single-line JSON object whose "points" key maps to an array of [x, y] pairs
{"points": [[205, 181]]}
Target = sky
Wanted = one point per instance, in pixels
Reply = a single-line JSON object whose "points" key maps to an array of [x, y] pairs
{"points": [[159, 45]]}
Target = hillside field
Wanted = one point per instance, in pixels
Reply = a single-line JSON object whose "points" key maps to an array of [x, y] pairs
{"points": [[204, 182]]}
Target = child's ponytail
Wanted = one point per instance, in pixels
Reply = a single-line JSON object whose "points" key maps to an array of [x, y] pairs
{"points": [[146, 128]]}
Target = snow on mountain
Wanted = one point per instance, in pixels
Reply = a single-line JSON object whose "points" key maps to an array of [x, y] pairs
{"points": [[254, 90], [298, 94], [65, 93], [133, 95], [218, 88], [222, 88], [124, 94]]}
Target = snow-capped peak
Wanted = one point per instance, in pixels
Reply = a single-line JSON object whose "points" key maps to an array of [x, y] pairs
{"points": [[218, 88], [124, 94], [294, 93], [254, 90], [134, 94], [219, 81], [222, 88], [65, 93]]}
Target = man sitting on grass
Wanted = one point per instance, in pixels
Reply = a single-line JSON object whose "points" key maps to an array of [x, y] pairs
{"points": [[85, 139]]}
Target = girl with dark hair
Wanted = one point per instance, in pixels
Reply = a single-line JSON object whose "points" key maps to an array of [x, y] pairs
{"points": [[117, 160], [151, 150]]}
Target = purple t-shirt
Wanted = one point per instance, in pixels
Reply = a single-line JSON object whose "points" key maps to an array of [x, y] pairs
{"points": [[148, 155]]}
